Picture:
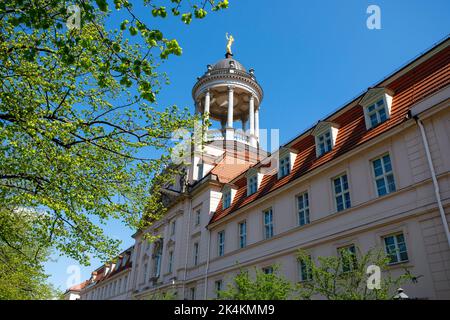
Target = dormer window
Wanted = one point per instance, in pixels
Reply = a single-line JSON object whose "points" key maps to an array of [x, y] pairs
{"points": [[325, 134], [252, 184], [377, 104], [228, 193], [254, 178], [227, 199], [324, 142], [286, 161], [285, 166]]}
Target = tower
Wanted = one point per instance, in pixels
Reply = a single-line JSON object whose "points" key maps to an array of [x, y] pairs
{"points": [[229, 94]]}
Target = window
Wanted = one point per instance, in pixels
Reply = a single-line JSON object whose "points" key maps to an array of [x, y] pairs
{"points": [[376, 113], [193, 293], [218, 286], [396, 248], [268, 270], [221, 243], [120, 285], [384, 177], [157, 258], [195, 253], [324, 143], [341, 193], [170, 264], [348, 256], [285, 166], [242, 234], [197, 217], [304, 269], [252, 184], [268, 224], [303, 209], [227, 199], [145, 275], [173, 227]]}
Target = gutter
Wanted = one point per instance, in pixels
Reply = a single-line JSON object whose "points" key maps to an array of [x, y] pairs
{"points": [[207, 263], [433, 176]]}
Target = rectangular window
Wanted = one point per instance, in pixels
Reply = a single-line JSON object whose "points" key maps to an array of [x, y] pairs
{"points": [[285, 166], [218, 286], [170, 264], [268, 270], [197, 217], [341, 193], [145, 273], [303, 209], [377, 113], [227, 199], [395, 247], [195, 253], [384, 177], [304, 269], [173, 227], [242, 234], [268, 224], [252, 184], [193, 293], [325, 143], [348, 256], [221, 243]]}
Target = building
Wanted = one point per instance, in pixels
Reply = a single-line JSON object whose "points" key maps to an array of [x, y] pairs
{"points": [[375, 173], [73, 293], [111, 281]]}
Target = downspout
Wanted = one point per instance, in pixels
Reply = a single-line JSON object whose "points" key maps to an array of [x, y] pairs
{"points": [[207, 264], [187, 248], [433, 176]]}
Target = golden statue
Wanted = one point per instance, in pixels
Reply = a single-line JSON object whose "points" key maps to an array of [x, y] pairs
{"points": [[230, 42]]}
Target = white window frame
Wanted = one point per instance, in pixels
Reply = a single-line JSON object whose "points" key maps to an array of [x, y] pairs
{"points": [[372, 97], [268, 270], [173, 227], [352, 249], [384, 175], [342, 193], [242, 235], [170, 262], [252, 184], [377, 108], [285, 166], [226, 199], [268, 227], [301, 265], [396, 243], [195, 253], [305, 211], [325, 139], [221, 243], [218, 285], [198, 213]]}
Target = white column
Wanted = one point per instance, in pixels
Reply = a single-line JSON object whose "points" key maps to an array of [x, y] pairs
{"points": [[251, 114], [230, 107], [257, 123], [207, 101]]}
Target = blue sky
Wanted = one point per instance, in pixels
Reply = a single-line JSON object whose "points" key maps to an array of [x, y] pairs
{"points": [[310, 57]]}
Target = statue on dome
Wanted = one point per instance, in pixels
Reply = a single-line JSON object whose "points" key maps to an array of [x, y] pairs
{"points": [[230, 42]]}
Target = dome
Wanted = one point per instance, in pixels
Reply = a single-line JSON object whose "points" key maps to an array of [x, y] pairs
{"points": [[225, 64]]}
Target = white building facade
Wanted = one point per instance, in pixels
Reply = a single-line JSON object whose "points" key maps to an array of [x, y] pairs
{"points": [[374, 174]]}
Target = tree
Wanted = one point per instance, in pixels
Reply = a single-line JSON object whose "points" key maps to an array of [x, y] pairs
{"points": [[79, 115], [344, 277], [263, 286], [21, 258]]}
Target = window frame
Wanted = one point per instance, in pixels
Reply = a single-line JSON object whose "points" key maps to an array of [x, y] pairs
{"points": [[252, 180], [270, 226], [198, 213], [326, 147], [268, 269], [226, 199], [398, 254], [170, 262], [351, 264], [307, 216], [368, 113], [242, 237], [384, 174], [221, 243], [196, 249], [286, 160], [308, 271], [342, 193]]}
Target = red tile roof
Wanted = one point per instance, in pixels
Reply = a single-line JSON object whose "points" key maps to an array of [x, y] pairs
{"points": [[424, 79]]}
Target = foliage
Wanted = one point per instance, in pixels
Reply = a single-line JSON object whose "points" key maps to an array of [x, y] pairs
{"points": [[21, 258], [262, 286], [78, 115], [344, 277]]}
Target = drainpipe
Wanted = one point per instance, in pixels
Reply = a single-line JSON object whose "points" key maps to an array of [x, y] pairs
{"points": [[207, 264], [187, 247], [433, 176]]}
